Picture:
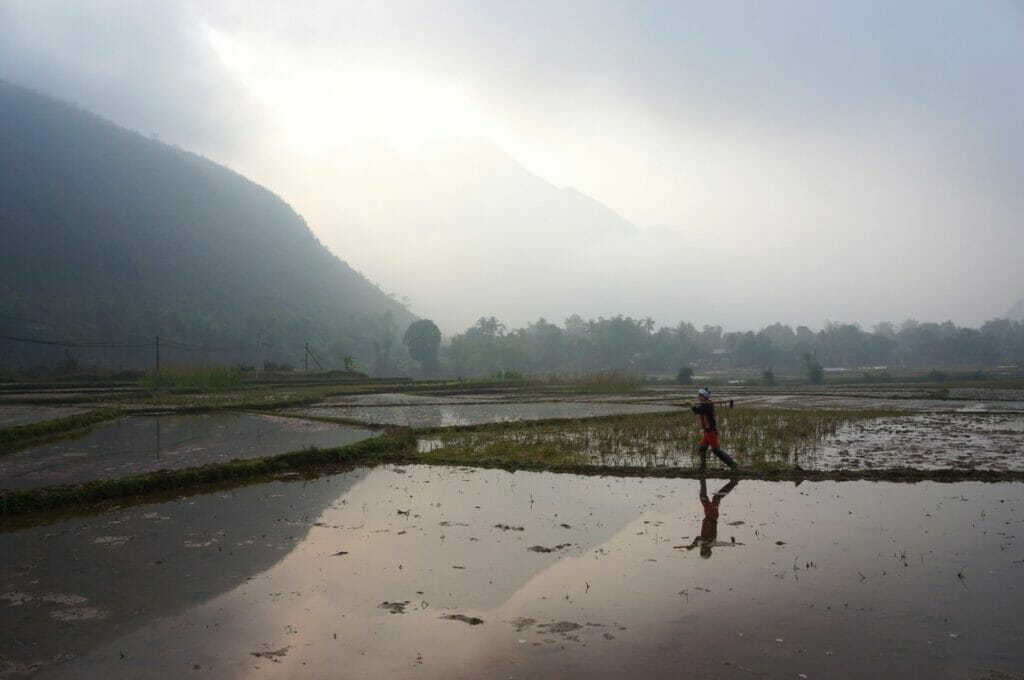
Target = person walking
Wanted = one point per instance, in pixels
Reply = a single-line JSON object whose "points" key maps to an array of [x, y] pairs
{"points": [[705, 410]]}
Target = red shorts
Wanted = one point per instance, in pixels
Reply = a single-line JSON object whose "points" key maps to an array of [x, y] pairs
{"points": [[710, 439]]}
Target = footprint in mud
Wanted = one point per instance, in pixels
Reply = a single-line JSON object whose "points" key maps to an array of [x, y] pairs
{"points": [[78, 614], [542, 549], [275, 655], [522, 623], [558, 627], [62, 598], [112, 541], [471, 620], [16, 599], [394, 607]]}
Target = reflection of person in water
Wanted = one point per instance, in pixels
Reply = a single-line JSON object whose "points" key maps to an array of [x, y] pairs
{"points": [[708, 538]]}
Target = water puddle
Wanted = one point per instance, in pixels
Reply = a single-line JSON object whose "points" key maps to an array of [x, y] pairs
{"points": [[446, 572], [448, 415], [139, 444]]}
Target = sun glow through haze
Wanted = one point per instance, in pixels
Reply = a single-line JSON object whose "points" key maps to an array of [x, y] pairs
{"points": [[321, 104]]}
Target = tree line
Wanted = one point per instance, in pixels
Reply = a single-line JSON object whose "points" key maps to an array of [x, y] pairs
{"points": [[638, 345]]}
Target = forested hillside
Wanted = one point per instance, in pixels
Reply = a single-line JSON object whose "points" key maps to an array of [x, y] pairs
{"points": [[112, 238]]}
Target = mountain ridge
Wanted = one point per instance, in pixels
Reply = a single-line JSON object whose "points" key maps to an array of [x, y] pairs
{"points": [[119, 235]]}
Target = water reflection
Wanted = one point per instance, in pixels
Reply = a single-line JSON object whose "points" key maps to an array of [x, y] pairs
{"points": [[708, 537], [68, 587], [140, 444], [837, 580]]}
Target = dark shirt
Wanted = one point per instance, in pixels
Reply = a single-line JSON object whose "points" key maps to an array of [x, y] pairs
{"points": [[705, 411]]}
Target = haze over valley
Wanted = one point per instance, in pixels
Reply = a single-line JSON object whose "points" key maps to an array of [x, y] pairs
{"points": [[473, 172]]}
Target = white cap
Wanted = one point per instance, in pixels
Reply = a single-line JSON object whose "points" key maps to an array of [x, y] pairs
{"points": [[704, 392]]}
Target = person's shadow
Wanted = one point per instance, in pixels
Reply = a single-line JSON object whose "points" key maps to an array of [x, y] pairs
{"points": [[708, 538]]}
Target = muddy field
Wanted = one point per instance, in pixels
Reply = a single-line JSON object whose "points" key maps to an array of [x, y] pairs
{"points": [[138, 444], [927, 441], [443, 572]]}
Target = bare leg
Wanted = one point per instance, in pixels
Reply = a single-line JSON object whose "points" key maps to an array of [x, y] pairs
{"points": [[725, 458]]}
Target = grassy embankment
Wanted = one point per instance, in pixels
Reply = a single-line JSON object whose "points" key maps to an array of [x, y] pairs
{"points": [[392, 447], [22, 436]]}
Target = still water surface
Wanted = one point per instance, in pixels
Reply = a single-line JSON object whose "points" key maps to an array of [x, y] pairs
{"points": [[358, 575], [139, 444]]}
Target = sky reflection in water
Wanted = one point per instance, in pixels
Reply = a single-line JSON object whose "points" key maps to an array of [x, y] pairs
{"points": [[836, 579]]}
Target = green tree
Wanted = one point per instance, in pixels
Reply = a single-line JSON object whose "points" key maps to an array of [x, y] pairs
{"points": [[423, 338], [813, 370], [685, 375]]}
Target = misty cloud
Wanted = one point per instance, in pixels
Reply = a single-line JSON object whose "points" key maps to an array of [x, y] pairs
{"points": [[792, 161]]}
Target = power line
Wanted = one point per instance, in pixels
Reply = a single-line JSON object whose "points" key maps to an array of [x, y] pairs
{"points": [[21, 318], [73, 343], [197, 348]]}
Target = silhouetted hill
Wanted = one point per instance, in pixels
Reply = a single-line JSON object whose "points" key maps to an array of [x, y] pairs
{"points": [[110, 236]]}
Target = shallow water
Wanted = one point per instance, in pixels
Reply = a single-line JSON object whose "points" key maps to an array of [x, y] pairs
{"points": [[353, 576], [12, 415], [448, 415], [401, 399], [139, 444]]}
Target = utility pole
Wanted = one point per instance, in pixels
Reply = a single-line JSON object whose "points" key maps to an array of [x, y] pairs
{"points": [[158, 361], [259, 356], [306, 360]]}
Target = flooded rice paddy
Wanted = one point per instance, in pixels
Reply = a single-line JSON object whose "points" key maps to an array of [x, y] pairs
{"points": [[409, 413], [428, 572], [139, 444]]}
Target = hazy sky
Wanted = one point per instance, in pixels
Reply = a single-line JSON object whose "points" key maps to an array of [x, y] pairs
{"points": [[792, 161]]}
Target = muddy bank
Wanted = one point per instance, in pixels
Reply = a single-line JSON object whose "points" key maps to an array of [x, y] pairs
{"points": [[427, 572]]}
